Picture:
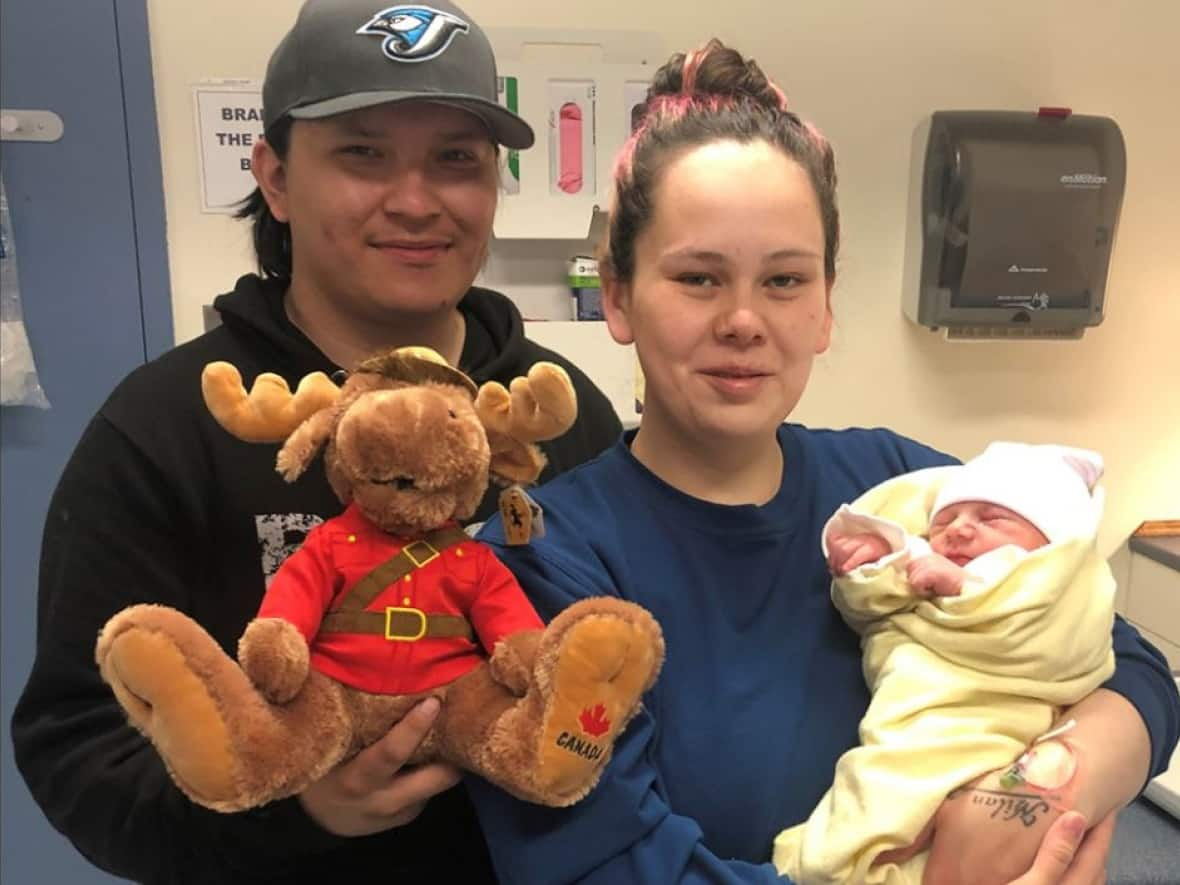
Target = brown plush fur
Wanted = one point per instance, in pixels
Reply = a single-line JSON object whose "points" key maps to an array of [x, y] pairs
{"points": [[598, 651], [275, 657], [539, 718]]}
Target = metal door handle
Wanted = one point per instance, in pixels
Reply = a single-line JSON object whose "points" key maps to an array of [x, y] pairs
{"points": [[29, 125]]}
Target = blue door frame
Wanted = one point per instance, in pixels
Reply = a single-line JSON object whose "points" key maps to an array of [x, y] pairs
{"points": [[89, 231]]}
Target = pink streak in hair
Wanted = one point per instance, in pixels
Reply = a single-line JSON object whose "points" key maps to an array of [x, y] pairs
{"points": [[818, 137], [661, 110], [782, 96], [688, 71], [672, 107], [626, 155]]}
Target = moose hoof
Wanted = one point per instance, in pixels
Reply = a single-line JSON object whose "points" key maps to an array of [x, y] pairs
{"points": [[603, 665], [169, 703]]}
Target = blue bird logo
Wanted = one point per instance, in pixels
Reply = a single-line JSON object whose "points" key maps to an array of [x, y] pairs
{"points": [[414, 33]]}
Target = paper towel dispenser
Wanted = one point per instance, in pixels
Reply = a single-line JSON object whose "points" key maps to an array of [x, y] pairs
{"points": [[1019, 211]]}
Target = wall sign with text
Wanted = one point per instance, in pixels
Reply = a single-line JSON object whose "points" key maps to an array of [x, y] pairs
{"points": [[229, 124]]}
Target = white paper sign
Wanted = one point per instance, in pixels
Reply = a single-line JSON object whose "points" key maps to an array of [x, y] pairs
{"points": [[229, 123]]}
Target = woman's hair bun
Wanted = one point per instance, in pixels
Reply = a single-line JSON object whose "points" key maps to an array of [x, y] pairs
{"points": [[715, 70]]}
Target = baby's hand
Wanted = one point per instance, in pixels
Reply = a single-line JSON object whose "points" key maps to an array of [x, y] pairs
{"points": [[846, 552], [935, 575]]}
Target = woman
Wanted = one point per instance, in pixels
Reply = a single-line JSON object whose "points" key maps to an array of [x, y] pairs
{"points": [[377, 186], [719, 267]]}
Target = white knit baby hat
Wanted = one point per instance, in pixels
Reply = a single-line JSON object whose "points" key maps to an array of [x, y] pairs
{"points": [[1053, 487]]}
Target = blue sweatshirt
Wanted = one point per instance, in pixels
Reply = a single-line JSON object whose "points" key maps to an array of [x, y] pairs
{"points": [[761, 690]]}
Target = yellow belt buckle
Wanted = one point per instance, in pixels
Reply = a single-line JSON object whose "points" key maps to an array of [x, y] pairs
{"points": [[430, 554], [389, 612]]}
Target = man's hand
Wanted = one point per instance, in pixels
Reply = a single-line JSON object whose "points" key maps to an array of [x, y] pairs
{"points": [[374, 791]]}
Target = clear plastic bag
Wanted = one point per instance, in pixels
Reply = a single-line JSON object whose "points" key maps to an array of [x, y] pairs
{"points": [[19, 385]]}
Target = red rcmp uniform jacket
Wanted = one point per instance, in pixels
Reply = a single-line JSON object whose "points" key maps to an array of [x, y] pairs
{"points": [[465, 579]]}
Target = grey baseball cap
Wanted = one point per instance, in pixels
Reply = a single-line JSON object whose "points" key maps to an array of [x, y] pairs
{"points": [[343, 55]]}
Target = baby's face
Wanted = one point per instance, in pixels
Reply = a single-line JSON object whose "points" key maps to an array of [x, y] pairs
{"points": [[969, 529]]}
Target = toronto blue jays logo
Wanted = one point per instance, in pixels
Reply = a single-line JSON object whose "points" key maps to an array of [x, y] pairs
{"points": [[414, 33]]}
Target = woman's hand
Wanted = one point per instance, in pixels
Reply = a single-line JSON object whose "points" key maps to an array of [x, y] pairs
{"points": [[986, 835], [1067, 855], [371, 792], [1111, 748], [1061, 861]]}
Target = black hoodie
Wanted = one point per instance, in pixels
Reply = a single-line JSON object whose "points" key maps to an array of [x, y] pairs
{"points": [[159, 504]]}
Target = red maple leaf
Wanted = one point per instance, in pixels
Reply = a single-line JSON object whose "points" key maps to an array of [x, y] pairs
{"points": [[594, 721]]}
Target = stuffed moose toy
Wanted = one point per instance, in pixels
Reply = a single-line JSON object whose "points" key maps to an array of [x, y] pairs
{"points": [[389, 603]]}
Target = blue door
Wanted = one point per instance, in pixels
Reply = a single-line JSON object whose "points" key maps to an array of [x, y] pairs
{"points": [[88, 225]]}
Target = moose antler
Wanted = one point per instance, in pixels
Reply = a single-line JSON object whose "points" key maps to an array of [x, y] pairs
{"points": [[269, 412], [540, 406], [537, 407]]}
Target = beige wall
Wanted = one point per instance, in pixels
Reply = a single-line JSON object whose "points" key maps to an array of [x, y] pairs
{"points": [[868, 73]]}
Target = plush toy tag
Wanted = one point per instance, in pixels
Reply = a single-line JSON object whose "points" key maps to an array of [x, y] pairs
{"points": [[523, 517]]}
